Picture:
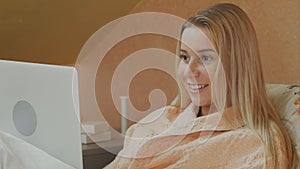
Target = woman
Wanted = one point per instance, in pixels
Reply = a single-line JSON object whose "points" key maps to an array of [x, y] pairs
{"points": [[222, 117]]}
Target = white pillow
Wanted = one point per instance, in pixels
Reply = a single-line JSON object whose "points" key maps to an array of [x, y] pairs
{"points": [[286, 99]]}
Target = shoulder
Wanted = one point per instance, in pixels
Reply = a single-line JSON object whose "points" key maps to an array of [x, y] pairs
{"points": [[244, 147], [154, 123], [250, 148], [243, 136]]}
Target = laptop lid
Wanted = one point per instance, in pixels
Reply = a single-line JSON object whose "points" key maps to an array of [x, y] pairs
{"points": [[39, 103]]}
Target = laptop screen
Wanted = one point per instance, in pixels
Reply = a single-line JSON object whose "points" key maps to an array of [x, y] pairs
{"points": [[39, 103]]}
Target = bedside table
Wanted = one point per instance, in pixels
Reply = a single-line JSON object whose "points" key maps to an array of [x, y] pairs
{"points": [[96, 157]]}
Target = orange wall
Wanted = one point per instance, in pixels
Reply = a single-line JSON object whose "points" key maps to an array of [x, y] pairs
{"points": [[53, 32]]}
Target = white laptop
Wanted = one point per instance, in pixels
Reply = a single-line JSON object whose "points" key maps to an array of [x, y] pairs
{"points": [[39, 103]]}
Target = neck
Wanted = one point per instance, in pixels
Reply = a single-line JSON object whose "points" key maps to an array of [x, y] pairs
{"points": [[206, 109]]}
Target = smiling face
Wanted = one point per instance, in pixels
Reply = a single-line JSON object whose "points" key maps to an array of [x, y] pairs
{"points": [[198, 63]]}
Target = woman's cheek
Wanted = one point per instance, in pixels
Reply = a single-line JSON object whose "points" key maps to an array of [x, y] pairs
{"points": [[181, 72], [181, 75]]}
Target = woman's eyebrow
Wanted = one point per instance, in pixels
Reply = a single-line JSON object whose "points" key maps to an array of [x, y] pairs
{"points": [[205, 50], [199, 51]]}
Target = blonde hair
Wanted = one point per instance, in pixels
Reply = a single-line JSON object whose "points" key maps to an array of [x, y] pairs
{"points": [[233, 36]]}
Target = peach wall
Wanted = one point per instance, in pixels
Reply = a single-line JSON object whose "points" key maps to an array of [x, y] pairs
{"points": [[148, 89]]}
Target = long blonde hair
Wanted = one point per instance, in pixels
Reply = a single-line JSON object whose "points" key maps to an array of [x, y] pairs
{"points": [[233, 36]]}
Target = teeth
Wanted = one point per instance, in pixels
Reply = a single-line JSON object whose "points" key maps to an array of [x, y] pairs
{"points": [[195, 87]]}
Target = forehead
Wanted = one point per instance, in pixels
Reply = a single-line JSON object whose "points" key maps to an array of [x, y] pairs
{"points": [[195, 38]]}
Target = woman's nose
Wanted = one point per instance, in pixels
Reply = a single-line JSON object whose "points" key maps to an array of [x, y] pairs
{"points": [[193, 69]]}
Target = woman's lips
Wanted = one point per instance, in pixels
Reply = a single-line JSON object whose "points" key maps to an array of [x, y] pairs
{"points": [[197, 88]]}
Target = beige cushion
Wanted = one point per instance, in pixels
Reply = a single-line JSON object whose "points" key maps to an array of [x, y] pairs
{"points": [[286, 99]]}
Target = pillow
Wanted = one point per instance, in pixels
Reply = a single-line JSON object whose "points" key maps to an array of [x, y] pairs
{"points": [[286, 99]]}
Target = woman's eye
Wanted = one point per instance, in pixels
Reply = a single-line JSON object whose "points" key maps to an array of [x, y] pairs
{"points": [[206, 58], [184, 57]]}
